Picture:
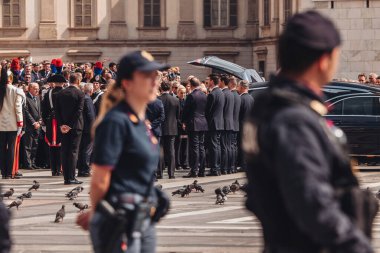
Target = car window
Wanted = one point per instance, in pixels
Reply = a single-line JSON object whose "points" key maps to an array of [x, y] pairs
{"points": [[336, 109], [358, 106]]}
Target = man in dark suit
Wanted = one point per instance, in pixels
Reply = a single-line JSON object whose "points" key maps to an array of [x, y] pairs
{"points": [[215, 120], [70, 102], [85, 148], [232, 85], [226, 137], [169, 127], [155, 113], [195, 124], [33, 120], [245, 108]]}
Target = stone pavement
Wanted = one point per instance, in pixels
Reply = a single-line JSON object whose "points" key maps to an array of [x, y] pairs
{"points": [[194, 224]]}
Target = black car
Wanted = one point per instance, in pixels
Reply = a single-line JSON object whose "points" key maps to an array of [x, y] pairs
{"points": [[356, 109], [353, 107]]}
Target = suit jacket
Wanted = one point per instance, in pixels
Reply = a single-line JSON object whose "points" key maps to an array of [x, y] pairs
{"points": [[228, 110], [214, 110], [181, 131], [194, 110], [69, 110], [32, 111], [88, 114], [171, 107], [97, 100], [155, 113], [237, 105], [245, 107]]}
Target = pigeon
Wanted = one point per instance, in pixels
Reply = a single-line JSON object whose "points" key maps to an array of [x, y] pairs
{"points": [[179, 191], [80, 206], [60, 215], [186, 191], [220, 199], [27, 195], [78, 189], [234, 188], [219, 191], [16, 203], [199, 188], [8, 194], [226, 190], [72, 195], [35, 186]]}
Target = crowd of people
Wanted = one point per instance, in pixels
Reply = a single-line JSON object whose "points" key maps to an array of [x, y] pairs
{"points": [[57, 103]]}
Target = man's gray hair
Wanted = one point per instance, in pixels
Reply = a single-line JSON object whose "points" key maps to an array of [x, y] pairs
{"points": [[244, 84], [88, 88]]}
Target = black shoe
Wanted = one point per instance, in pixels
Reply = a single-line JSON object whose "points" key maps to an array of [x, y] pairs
{"points": [[56, 174], [171, 177], [229, 172], [201, 174], [75, 181], [190, 175], [223, 172], [87, 174], [179, 168]]}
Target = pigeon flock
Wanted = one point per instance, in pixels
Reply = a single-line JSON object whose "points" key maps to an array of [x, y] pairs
{"points": [[71, 195], [221, 192]]}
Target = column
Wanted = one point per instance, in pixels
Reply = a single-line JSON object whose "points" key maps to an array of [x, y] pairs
{"points": [[48, 25], [186, 23], [118, 26]]}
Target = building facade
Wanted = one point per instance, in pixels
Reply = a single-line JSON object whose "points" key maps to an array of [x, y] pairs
{"points": [[359, 22]]}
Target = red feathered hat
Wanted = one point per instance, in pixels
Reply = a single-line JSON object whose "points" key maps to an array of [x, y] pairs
{"points": [[15, 64], [98, 65], [58, 62]]}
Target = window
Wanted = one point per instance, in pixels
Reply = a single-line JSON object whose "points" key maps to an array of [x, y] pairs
{"points": [[287, 9], [262, 68], [358, 106], [152, 13], [11, 13], [266, 6], [336, 109], [220, 13], [83, 13]]}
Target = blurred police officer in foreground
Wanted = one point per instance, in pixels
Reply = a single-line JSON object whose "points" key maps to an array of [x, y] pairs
{"points": [[125, 204], [296, 158]]}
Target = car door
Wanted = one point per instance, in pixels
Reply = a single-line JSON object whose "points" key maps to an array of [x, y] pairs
{"points": [[360, 122]]}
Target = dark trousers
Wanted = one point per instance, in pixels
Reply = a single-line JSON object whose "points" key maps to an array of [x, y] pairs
{"points": [[85, 151], [42, 157], [234, 150], [169, 153], [214, 150], [181, 150], [55, 159], [69, 153], [161, 162], [31, 145], [241, 158], [7, 152], [197, 152], [225, 144]]}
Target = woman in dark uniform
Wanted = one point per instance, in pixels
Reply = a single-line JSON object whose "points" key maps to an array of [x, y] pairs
{"points": [[53, 135], [125, 158]]}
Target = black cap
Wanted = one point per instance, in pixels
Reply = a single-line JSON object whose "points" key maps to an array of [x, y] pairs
{"points": [[56, 79], [312, 30], [98, 79], [138, 61]]}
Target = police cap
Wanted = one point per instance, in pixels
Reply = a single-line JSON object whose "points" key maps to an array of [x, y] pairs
{"points": [[56, 79], [312, 30], [138, 61]]}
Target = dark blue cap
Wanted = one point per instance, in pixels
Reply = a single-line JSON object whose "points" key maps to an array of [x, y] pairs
{"points": [[138, 61], [313, 31]]}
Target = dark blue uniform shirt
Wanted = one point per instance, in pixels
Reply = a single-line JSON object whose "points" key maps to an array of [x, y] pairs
{"points": [[124, 142]]}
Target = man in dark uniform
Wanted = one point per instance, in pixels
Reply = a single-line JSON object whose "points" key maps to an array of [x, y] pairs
{"points": [[232, 85], [195, 124], [53, 134], [69, 112], [33, 120], [245, 108], [169, 127], [226, 136], [297, 160], [85, 148], [155, 113], [97, 95], [215, 120]]}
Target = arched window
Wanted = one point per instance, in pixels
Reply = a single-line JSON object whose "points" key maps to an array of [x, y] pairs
{"points": [[11, 13], [287, 9], [83, 13], [152, 13], [220, 13]]}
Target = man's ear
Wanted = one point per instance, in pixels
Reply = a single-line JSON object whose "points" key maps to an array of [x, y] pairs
{"points": [[324, 62]]}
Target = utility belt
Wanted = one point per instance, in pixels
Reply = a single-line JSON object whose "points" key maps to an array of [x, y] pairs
{"points": [[127, 216]]}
